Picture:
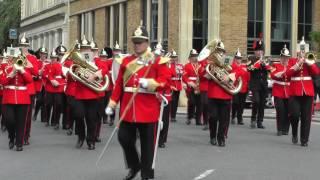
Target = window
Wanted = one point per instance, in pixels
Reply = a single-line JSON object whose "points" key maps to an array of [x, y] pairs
{"points": [[200, 24], [144, 12], [280, 25], [107, 40], [125, 38], [305, 19], [115, 23], [255, 22], [165, 24], [154, 23], [87, 25]]}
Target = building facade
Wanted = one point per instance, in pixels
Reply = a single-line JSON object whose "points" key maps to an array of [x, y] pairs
{"points": [[186, 24], [45, 22]]}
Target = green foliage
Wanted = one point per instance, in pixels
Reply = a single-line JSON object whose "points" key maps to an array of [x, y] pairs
{"points": [[10, 16], [315, 37]]}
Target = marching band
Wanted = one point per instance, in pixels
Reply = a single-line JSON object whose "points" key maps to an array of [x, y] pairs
{"points": [[83, 86]]}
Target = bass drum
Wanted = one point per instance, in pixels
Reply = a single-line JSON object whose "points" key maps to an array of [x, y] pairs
{"points": [[116, 63]]}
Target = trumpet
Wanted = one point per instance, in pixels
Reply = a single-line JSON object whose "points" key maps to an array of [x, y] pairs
{"points": [[308, 57]]}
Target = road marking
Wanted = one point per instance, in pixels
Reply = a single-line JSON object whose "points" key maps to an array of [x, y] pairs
{"points": [[205, 174]]}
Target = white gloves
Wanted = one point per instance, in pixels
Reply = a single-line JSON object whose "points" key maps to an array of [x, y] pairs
{"points": [[161, 125], [55, 83], [109, 111], [143, 82]]}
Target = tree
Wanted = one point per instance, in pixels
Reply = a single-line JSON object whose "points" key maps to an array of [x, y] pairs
{"points": [[315, 37], [10, 16]]}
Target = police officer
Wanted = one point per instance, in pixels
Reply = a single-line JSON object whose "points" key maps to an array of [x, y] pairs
{"points": [[280, 92], [140, 107]]}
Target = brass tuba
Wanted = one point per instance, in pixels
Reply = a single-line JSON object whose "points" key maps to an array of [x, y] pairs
{"points": [[217, 69], [80, 70]]}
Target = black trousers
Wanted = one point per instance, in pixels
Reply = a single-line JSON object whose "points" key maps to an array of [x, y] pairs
{"points": [[64, 111], [127, 137], [166, 120], [53, 101], [29, 117], [219, 110], [15, 117], [194, 106], [238, 105], [86, 115], [204, 106], [300, 107], [40, 105], [282, 109], [174, 104], [258, 104], [70, 108], [3, 124]]}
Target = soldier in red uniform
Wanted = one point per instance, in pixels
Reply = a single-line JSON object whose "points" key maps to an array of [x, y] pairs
{"points": [[204, 97], [300, 71], [101, 63], [16, 100], [219, 104], [38, 83], [87, 102], [54, 87], [239, 100], [192, 79], [3, 63], [32, 68], [176, 86], [70, 89], [280, 92], [141, 113]]}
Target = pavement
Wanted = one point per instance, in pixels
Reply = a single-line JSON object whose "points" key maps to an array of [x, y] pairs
{"points": [[269, 113], [250, 154]]}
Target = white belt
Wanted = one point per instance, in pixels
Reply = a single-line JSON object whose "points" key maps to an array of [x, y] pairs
{"points": [[192, 78], [140, 90], [301, 78], [176, 79], [58, 77], [16, 87], [281, 83]]}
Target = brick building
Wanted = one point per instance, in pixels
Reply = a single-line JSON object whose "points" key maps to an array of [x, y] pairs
{"points": [[186, 24]]}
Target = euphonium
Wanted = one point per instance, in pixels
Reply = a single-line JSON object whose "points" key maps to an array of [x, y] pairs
{"points": [[80, 70], [217, 69]]}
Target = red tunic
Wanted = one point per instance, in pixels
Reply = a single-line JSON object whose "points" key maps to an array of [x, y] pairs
{"points": [[191, 74], [243, 73], [53, 71], [2, 68], [146, 106], [71, 83], [38, 83], [177, 70], [215, 91], [85, 93], [104, 65], [203, 80], [280, 86], [34, 71], [15, 90], [301, 81]]}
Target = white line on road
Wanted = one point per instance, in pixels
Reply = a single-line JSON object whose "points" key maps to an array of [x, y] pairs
{"points": [[205, 174]]}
